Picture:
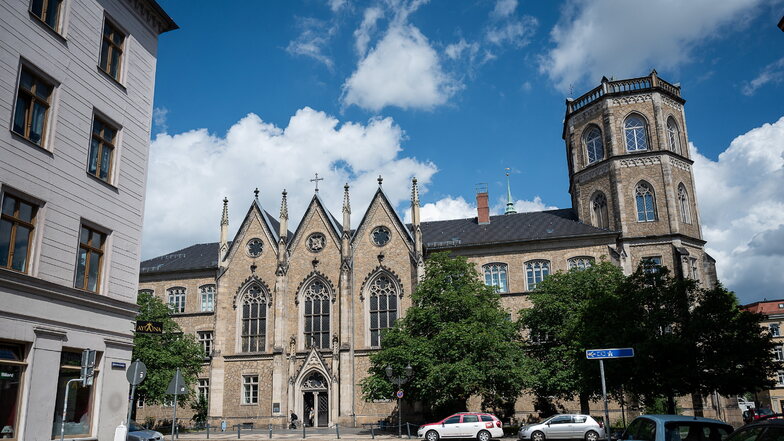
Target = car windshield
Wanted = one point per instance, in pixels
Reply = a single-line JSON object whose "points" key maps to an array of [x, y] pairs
{"points": [[135, 427], [696, 431], [765, 411]]}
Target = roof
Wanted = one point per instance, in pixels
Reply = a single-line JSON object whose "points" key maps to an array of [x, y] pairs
{"points": [[767, 307], [195, 257], [167, 23], [506, 228]]}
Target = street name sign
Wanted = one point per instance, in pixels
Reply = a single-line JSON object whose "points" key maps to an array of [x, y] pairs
{"points": [[599, 354]]}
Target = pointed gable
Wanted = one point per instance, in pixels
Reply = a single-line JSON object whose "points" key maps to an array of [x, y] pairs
{"points": [[269, 226], [380, 200], [317, 207]]}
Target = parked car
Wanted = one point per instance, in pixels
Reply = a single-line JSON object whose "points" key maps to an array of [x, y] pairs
{"points": [[139, 433], [676, 428], [764, 429], [564, 426], [482, 426], [756, 414]]}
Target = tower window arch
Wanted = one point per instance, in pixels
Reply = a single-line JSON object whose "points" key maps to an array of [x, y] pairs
{"points": [[635, 133], [383, 307], [254, 319], [683, 204], [317, 308], [594, 146], [536, 271], [599, 216], [495, 275], [673, 136], [646, 202]]}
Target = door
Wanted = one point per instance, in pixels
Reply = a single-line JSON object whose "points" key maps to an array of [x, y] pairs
{"points": [[559, 427], [470, 426], [451, 427], [323, 409], [308, 409]]}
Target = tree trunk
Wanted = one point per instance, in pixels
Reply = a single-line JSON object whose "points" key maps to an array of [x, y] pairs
{"points": [[671, 403], [585, 405], [696, 403]]}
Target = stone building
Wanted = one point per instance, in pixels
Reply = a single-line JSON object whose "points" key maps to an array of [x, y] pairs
{"points": [[76, 94], [288, 320]]}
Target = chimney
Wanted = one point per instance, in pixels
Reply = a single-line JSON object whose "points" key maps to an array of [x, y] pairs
{"points": [[482, 207]]}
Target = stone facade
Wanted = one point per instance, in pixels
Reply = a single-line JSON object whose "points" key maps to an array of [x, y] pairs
{"points": [[343, 269]]}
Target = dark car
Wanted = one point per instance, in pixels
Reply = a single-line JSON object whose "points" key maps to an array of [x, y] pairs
{"points": [[764, 429], [676, 428]]}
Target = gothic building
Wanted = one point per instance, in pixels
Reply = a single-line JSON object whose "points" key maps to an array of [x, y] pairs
{"points": [[288, 320]]}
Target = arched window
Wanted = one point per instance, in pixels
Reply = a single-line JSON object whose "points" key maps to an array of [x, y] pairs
{"points": [[594, 145], [636, 137], [580, 263], [207, 298], [383, 307], [176, 299], [254, 319], [673, 136], [683, 204], [317, 315], [495, 275], [536, 271], [599, 211], [646, 202]]}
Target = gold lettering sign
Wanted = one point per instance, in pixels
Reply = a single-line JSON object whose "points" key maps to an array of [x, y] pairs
{"points": [[147, 327]]}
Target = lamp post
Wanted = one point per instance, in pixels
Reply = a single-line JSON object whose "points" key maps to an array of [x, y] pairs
{"points": [[399, 381]]}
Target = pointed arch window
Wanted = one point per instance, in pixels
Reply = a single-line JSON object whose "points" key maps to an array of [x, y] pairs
{"points": [[317, 306], [495, 275], [580, 263], [383, 307], [593, 145], [176, 299], [683, 204], [536, 271], [599, 216], [673, 136], [207, 298], [646, 202], [636, 136], [254, 319]]}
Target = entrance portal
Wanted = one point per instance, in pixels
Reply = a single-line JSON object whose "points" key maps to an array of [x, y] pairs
{"points": [[315, 400]]}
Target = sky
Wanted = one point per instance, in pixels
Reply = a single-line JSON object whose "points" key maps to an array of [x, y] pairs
{"points": [[266, 94]]}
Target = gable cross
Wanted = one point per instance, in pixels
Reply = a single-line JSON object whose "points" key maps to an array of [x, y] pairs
{"points": [[316, 180]]}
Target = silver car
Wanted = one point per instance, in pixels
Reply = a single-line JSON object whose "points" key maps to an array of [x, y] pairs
{"points": [[564, 427]]}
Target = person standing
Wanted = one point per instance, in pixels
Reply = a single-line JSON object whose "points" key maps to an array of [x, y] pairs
{"points": [[310, 417], [293, 419]]}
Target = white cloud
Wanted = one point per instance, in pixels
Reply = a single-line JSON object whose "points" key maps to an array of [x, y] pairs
{"points": [[458, 208], [159, 119], [629, 37], [516, 32], [402, 70], [772, 73], [191, 172], [504, 8], [742, 211], [335, 5], [312, 42], [366, 28], [455, 50]]}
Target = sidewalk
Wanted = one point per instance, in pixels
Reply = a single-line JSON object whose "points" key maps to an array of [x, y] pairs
{"points": [[311, 434]]}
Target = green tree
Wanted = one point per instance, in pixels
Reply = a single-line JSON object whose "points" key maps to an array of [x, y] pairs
{"points": [[456, 337], [200, 410], [164, 353], [565, 319]]}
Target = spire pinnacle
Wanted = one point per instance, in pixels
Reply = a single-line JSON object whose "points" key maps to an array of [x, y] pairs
{"points": [[510, 209], [256, 193], [346, 203], [380, 180], [225, 215], [284, 206], [414, 192]]}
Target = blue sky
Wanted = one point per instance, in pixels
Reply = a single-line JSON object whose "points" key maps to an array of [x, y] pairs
{"points": [[265, 94]]}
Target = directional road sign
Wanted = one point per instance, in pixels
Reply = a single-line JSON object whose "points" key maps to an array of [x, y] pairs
{"points": [[598, 354]]}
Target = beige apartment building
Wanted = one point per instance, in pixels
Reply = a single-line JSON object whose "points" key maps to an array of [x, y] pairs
{"points": [[76, 94], [773, 310], [288, 319]]}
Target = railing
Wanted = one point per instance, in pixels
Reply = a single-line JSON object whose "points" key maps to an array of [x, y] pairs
{"points": [[649, 82]]}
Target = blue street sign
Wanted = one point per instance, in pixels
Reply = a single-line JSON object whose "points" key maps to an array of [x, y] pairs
{"points": [[598, 354]]}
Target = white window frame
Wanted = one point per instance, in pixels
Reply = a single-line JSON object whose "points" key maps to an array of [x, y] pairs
{"points": [[495, 270], [538, 270], [250, 389], [176, 296], [206, 339], [775, 329], [207, 297]]}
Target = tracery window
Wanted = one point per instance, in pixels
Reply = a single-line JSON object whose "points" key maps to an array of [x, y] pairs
{"points": [[673, 136], [536, 271], [594, 145], [380, 235], [207, 298], [254, 319], [383, 307], [495, 275], [581, 263], [599, 211], [317, 306], [683, 204], [636, 137], [177, 299], [255, 247], [646, 206]]}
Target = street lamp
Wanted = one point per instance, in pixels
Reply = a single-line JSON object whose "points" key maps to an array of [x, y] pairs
{"points": [[399, 381]]}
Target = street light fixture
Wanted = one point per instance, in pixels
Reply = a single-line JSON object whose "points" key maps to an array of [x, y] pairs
{"points": [[399, 381]]}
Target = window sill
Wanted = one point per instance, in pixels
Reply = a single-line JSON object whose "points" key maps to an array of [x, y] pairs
{"points": [[108, 185], [249, 404], [31, 143], [112, 79], [60, 37]]}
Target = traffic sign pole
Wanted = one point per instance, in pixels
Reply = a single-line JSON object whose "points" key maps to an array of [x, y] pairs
{"points": [[176, 388], [606, 408]]}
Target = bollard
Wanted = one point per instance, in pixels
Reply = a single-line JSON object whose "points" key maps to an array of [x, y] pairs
{"points": [[372, 433], [208, 430], [177, 431], [270, 431], [337, 430], [408, 429], [238, 431], [303, 429]]}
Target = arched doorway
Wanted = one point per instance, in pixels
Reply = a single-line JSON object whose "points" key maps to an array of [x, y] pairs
{"points": [[315, 397]]}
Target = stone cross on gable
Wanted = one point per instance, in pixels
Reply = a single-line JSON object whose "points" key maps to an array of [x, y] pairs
{"points": [[316, 180]]}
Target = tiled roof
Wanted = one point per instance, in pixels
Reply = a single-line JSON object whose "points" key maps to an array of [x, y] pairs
{"points": [[767, 307], [520, 227]]}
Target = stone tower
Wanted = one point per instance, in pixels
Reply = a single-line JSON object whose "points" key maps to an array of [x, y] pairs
{"points": [[630, 171]]}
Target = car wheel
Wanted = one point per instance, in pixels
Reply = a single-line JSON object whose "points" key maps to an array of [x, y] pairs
{"points": [[537, 436], [591, 436], [483, 435], [431, 435]]}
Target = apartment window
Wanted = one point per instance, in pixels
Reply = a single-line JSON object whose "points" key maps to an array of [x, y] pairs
{"points": [[177, 299], [207, 298], [12, 366], [778, 353], [495, 275], [204, 388], [254, 319], [774, 330], [48, 11], [580, 263], [89, 261], [112, 50], [80, 398], [17, 221], [780, 379], [536, 271], [99, 162], [317, 300], [205, 339], [250, 389], [383, 307], [32, 106], [651, 264]]}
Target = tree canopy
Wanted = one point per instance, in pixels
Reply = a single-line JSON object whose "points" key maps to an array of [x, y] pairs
{"points": [[457, 338]]}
